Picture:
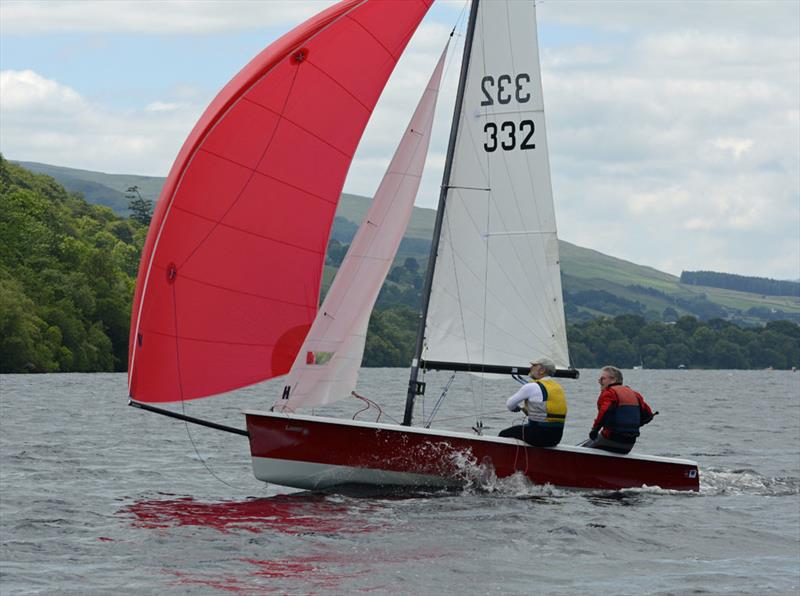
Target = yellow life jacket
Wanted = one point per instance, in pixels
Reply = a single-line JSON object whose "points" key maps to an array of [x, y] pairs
{"points": [[553, 410]]}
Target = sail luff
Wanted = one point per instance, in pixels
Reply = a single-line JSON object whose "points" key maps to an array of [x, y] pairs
{"points": [[426, 292]]}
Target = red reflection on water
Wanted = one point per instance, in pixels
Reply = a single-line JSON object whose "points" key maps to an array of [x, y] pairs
{"points": [[228, 584], [321, 571], [324, 571], [308, 514], [282, 568]]}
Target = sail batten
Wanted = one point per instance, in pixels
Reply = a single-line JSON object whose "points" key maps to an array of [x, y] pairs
{"points": [[247, 208]]}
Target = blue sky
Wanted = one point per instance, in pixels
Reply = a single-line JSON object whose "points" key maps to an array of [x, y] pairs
{"points": [[674, 127]]}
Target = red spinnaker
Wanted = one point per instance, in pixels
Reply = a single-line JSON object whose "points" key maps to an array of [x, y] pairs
{"points": [[231, 269]]}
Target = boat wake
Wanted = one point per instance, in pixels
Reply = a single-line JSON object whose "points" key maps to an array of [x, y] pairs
{"points": [[714, 482], [480, 478]]}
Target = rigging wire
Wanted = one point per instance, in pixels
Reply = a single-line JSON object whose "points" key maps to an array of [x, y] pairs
{"points": [[200, 457], [440, 400], [183, 400]]}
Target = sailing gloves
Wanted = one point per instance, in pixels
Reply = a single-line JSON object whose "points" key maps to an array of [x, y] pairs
{"points": [[593, 433]]}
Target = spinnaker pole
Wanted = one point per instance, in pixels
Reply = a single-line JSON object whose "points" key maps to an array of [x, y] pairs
{"points": [[192, 419], [413, 385]]}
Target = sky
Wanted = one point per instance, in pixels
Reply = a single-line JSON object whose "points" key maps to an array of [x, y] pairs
{"points": [[673, 127]]}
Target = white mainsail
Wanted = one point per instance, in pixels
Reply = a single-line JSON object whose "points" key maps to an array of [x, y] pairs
{"points": [[496, 292], [326, 368]]}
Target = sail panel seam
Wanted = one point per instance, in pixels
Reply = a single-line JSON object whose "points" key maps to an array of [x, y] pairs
{"points": [[282, 117], [208, 341], [240, 292], [271, 177], [406, 36], [221, 223], [509, 278], [523, 323]]}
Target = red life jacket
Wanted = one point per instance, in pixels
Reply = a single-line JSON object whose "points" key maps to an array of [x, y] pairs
{"points": [[626, 416]]}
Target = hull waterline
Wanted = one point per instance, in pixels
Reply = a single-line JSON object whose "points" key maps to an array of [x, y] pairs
{"points": [[321, 453]]}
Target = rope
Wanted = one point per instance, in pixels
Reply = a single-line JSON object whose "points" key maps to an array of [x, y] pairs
{"points": [[200, 457], [369, 405], [183, 401]]}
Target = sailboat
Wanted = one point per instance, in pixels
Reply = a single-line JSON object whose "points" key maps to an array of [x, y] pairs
{"points": [[229, 283]]}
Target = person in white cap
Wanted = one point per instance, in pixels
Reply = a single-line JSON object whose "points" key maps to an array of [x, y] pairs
{"points": [[545, 404]]}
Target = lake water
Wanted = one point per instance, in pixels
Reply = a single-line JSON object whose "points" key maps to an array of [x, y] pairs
{"points": [[101, 498]]}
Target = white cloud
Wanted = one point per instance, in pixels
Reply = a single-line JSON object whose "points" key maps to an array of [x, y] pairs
{"points": [[25, 90], [43, 120], [162, 106], [737, 147], [776, 17], [19, 17], [674, 127], [675, 141]]}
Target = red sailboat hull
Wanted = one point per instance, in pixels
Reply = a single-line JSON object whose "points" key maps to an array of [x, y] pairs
{"points": [[318, 453]]}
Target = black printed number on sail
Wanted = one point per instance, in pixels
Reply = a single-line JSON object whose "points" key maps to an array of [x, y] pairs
{"points": [[508, 134]]}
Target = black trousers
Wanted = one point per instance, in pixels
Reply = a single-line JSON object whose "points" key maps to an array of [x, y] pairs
{"points": [[538, 436], [615, 443]]}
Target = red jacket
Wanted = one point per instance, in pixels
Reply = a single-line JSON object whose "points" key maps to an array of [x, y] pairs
{"points": [[612, 399]]}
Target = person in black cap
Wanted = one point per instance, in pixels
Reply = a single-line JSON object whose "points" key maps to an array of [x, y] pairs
{"points": [[545, 404]]}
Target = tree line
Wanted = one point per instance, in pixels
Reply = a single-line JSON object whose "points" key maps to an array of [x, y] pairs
{"points": [[630, 340], [742, 283], [68, 271]]}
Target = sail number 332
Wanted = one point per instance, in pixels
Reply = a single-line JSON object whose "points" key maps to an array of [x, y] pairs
{"points": [[507, 135]]}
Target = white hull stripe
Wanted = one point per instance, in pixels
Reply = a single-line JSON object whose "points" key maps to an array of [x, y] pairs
{"points": [[311, 476]]}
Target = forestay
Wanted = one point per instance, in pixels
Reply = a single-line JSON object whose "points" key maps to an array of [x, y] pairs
{"points": [[230, 274], [496, 291], [326, 368]]}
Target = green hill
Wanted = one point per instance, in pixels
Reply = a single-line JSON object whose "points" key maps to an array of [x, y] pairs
{"points": [[68, 267], [99, 188], [595, 284]]}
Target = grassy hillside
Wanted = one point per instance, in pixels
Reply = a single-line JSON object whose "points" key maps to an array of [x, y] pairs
{"points": [[594, 283], [99, 188], [585, 270]]}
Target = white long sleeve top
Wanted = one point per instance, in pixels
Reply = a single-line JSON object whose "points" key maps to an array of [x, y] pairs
{"points": [[529, 391]]}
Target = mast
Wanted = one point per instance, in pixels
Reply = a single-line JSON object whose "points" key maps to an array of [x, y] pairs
{"points": [[413, 388]]}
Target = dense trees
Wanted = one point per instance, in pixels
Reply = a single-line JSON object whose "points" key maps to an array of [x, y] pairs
{"points": [[742, 283], [391, 336], [627, 340], [630, 340], [68, 268], [66, 278]]}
